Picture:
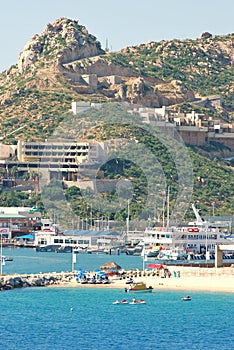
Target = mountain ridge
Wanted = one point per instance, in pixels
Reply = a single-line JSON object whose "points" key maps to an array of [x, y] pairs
{"points": [[66, 63]]}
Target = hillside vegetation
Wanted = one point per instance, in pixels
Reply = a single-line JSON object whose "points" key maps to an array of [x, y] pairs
{"points": [[65, 63], [39, 89], [204, 65]]}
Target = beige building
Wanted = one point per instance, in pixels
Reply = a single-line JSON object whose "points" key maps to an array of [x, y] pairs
{"points": [[61, 152], [7, 151], [62, 158]]}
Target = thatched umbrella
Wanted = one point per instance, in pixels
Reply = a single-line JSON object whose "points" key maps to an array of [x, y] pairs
{"points": [[110, 265]]}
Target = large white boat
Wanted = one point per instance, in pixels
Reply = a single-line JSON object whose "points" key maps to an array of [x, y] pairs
{"points": [[177, 243]]}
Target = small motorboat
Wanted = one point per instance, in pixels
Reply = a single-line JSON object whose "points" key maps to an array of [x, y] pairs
{"points": [[124, 301], [7, 258], [141, 301], [186, 298], [134, 301], [117, 302], [138, 287]]}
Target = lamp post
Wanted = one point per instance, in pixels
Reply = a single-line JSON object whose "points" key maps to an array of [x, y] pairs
{"points": [[144, 257], [127, 221], [73, 258]]}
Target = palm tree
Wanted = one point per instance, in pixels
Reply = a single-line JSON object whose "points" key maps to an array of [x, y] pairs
{"points": [[26, 176], [14, 171]]}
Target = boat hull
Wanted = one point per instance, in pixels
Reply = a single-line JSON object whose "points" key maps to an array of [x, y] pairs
{"points": [[129, 290]]}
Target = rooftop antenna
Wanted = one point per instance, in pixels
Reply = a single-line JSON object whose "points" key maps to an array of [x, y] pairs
{"points": [[107, 47]]}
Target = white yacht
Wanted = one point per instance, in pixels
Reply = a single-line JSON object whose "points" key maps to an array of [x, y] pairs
{"points": [[174, 243]]}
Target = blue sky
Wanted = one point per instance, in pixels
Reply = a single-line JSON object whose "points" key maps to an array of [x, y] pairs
{"points": [[123, 22]]}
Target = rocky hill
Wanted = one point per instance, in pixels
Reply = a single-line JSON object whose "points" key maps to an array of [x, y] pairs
{"points": [[204, 65], [66, 63]]}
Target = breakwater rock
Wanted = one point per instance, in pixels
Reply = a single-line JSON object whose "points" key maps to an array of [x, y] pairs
{"points": [[35, 280]]}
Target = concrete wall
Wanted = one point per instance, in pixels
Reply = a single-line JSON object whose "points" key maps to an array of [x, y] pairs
{"points": [[193, 135]]}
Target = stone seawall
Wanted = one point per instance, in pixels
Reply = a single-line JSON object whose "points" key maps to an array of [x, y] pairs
{"points": [[35, 280]]}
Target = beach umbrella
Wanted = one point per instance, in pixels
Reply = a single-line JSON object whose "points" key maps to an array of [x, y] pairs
{"points": [[100, 272], [110, 265], [80, 269]]}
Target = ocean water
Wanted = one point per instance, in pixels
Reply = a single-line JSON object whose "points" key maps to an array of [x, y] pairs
{"points": [[27, 260], [85, 318], [41, 318]]}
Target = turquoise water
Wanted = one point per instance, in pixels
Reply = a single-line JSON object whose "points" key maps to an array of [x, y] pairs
{"points": [[41, 318], [26, 260]]}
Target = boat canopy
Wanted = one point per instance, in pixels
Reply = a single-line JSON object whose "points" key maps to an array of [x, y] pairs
{"points": [[155, 266], [29, 236]]}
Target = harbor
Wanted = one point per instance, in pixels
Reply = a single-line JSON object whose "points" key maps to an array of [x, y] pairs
{"points": [[52, 269]]}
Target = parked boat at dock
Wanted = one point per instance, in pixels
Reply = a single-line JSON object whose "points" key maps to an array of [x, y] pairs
{"points": [[181, 243]]}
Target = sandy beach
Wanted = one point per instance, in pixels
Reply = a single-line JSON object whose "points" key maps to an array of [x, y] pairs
{"points": [[191, 279]]}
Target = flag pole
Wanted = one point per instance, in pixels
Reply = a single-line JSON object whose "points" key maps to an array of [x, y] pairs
{"points": [[73, 259]]}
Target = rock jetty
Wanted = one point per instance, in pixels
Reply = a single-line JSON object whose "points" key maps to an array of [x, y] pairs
{"points": [[35, 280]]}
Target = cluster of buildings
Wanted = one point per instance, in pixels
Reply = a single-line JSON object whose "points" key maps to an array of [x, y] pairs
{"points": [[195, 128], [67, 159], [18, 221], [24, 227]]}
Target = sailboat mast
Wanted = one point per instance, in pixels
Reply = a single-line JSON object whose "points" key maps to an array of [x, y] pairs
{"points": [[168, 206], [163, 218], [127, 221]]}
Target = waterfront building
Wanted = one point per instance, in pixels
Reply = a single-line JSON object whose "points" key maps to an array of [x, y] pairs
{"points": [[17, 221], [12, 225], [81, 240]]}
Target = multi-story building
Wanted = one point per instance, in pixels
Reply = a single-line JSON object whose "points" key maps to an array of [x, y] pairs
{"points": [[66, 158]]}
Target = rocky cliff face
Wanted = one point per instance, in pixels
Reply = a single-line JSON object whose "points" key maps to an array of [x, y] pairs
{"points": [[69, 48], [62, 41], [66, 63]]}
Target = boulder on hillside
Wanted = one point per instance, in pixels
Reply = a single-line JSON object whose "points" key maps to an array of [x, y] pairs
{"points": [[206, 35]]}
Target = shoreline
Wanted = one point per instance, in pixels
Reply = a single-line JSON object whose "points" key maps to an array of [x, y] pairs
{"points": [[191, 279], [181, 278]]}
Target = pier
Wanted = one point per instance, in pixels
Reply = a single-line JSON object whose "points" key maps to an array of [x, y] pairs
{"points": [[219, 248]]}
